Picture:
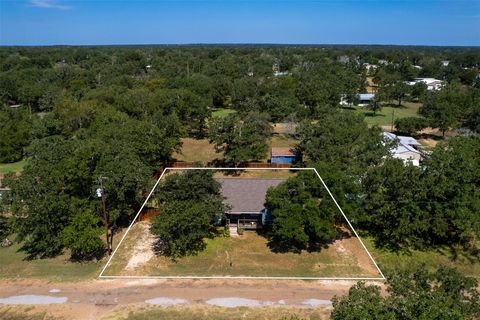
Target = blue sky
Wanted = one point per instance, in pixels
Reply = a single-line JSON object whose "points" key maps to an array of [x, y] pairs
{"points": [[83, 22]]}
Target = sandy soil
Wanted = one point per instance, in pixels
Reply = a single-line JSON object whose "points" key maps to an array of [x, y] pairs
{"points": [[97, 298], [142, 252]]}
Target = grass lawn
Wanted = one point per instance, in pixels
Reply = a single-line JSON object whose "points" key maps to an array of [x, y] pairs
{"points": [[219, 313], [203, 151], [60, 269], [247, 255], [222, 112], [13, 266], [12, 167], [256, 174], [282, 140], [186, 312], [433, 259], [197, 150], [384, 117]]}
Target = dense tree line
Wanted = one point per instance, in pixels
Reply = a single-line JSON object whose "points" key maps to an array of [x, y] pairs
{"points": [[119, 113], [411, 295], [411, 207], [240, 137], [53, 202]]}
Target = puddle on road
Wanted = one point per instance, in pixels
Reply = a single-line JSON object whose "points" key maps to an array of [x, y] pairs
{"points": [[166, 301], [316, 302], [238, 302], [33, 299]]}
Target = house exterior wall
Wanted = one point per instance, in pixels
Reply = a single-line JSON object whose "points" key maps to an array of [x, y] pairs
{"points": [[406, 157]]}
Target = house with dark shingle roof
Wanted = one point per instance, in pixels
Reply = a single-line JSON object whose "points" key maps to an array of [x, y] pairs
{"points": [[246, 200]]}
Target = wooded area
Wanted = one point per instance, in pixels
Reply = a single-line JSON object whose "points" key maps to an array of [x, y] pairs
{"points": [[78, 114]]}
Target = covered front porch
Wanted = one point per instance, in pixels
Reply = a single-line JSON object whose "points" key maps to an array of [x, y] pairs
{"points": [[245, 220]]}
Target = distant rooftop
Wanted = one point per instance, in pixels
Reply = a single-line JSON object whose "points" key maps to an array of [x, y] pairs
{"points": [[405, 143], [366, 96], [246, 195]]}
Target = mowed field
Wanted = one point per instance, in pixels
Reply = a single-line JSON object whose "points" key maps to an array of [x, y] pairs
{"points": [[202, 150], [384, 117], [12, 167], [466, 263], [15, 265], [247, 255]]}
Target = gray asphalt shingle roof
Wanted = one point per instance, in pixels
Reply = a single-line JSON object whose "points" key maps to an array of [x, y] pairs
{"points": [[246, 195]]}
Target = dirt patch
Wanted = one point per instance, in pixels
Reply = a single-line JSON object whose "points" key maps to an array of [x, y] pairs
{"points": [[363, 260], [143, 249]]}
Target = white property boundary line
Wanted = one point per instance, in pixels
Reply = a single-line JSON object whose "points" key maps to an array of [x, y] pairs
{"points": [[101, 276]]}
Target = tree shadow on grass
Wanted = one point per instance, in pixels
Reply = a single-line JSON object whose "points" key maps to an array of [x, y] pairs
{"points": [[471, 254], [371, 115], [348, 108], [313, 246], [454, 253], [394, 106]]}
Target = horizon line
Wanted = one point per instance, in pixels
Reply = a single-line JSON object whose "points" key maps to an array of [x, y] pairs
{"points": [[187, 44]]}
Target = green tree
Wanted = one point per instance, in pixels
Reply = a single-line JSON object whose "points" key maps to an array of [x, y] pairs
{"points": [[301, 221], [182, 227], [453, 181], [196, 185], [81, 236], [241, 138], [15, 127], [410, 125], [343, 140], [442, 115], [412, 294], [399, 91], [374, 107], [190, 207], [45, 197], [394, 205], [61, 178], [442, 110], [407, 207]]}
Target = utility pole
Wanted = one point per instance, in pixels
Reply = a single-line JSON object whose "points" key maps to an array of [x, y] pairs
{"points": [[105, 216], [393, 117]]}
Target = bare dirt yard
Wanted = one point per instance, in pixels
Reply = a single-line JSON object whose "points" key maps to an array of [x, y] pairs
{"points": [[248, 256]]}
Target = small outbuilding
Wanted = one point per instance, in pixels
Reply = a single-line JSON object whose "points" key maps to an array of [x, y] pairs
{"points": [[283, 155]]}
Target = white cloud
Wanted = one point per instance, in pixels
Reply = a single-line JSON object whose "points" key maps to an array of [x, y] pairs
{"points": [[48, 4]]}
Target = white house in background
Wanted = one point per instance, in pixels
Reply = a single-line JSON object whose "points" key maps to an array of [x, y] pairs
{"points": [[445, 63], [364, 99], [432, 83], [370, 67], [406, 148]]}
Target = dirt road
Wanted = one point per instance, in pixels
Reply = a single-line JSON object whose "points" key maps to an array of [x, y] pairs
{"points": [[93, 299]]}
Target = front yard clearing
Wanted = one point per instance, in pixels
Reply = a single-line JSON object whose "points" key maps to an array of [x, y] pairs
{"points": [[244, 256]]}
